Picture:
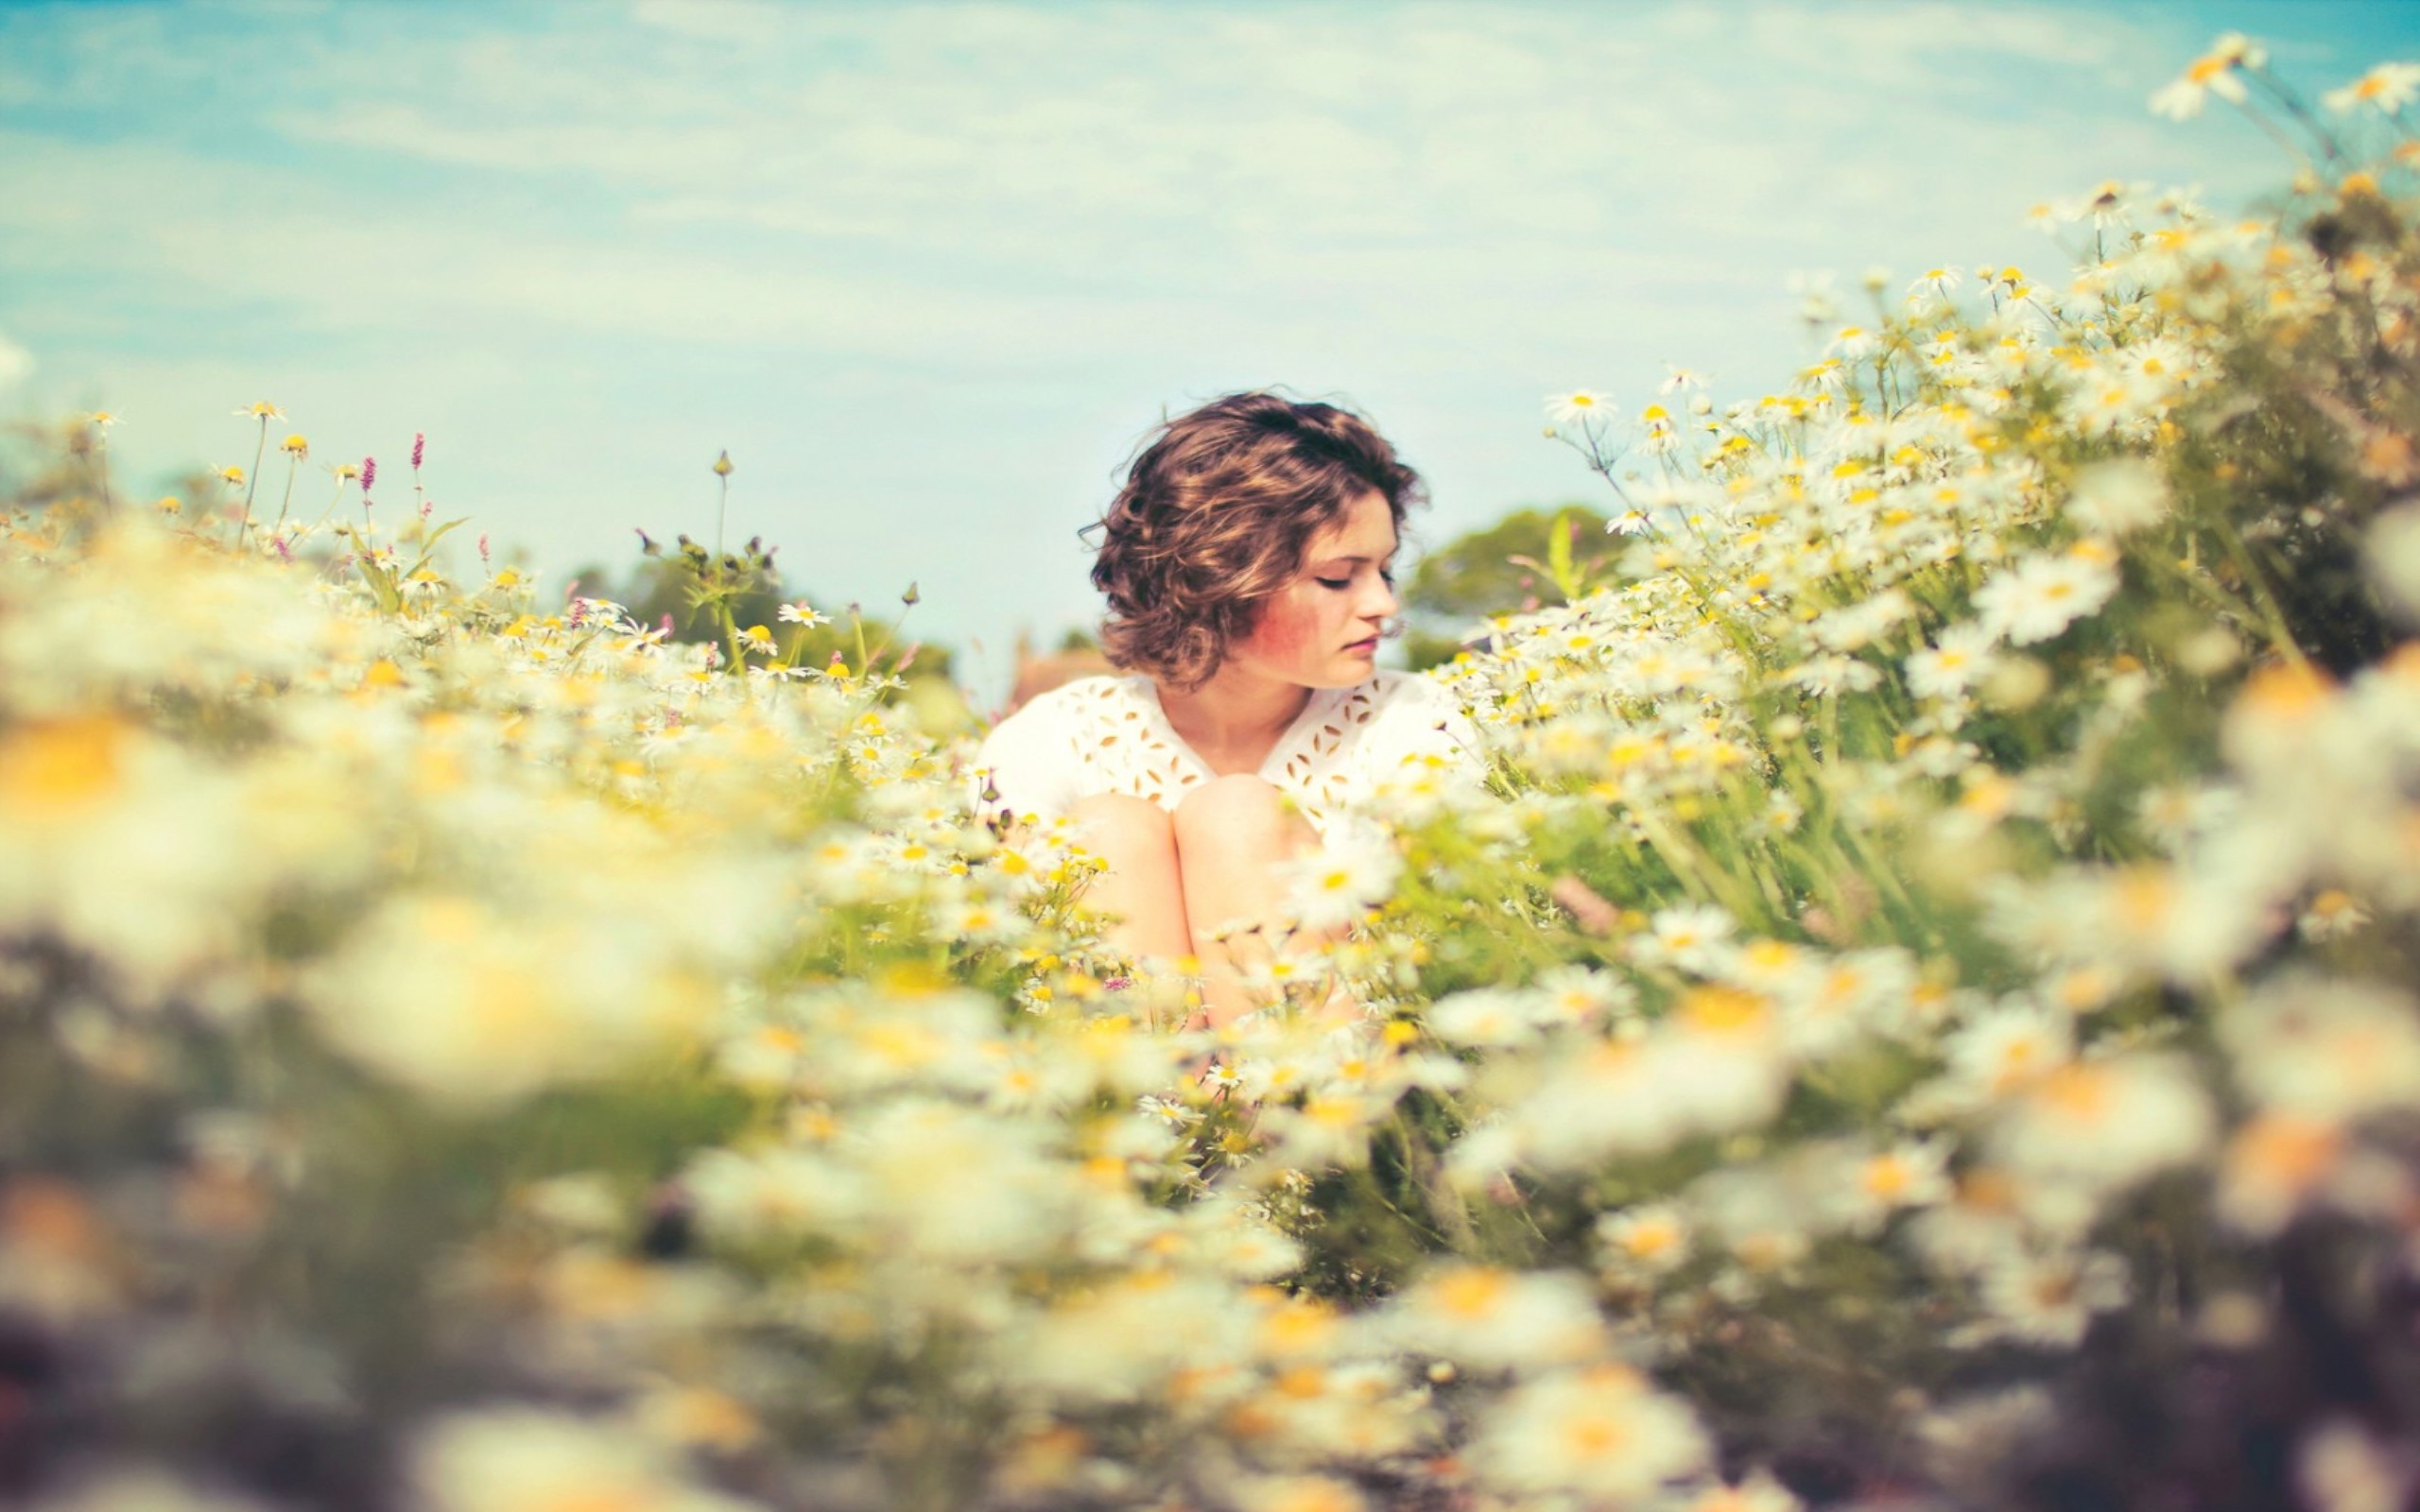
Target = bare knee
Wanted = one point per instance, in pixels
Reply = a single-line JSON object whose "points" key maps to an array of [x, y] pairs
{"points": [[1121, 829], [1238, 814]]}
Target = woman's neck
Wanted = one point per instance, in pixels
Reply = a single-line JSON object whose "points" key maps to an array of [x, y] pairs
{"points": [[1235, 719]]}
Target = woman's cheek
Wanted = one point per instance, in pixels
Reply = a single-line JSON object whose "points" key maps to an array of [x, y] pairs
{"points": [[1284, 629]]}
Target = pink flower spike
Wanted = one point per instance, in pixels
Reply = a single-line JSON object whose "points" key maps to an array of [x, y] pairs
{"points": [[420, 445], [369, 472], [427, 508], [483, 550]]}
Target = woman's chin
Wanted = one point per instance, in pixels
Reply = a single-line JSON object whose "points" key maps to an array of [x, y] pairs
{"points": [[1354, 667]]}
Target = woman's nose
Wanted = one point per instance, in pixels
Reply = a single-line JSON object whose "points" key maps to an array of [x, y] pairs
{"points": [[1381, 604]]}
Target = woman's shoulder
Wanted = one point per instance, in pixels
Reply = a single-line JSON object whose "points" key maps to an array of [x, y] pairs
{"points": [[1040, 757], [1411, 693], [1058, 713], [1411, 712], [1076, 697]]}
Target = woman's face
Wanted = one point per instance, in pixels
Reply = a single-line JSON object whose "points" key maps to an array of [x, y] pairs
{"points": [[1322, 629]]}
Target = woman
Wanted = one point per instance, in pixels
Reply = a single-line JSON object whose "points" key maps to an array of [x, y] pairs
{"points": [[1249, 566]]}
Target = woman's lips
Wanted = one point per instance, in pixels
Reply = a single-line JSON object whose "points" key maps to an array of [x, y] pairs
{"points": [[1369, 645]]}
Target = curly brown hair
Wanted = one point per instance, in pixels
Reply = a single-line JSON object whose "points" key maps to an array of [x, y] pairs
{"points": [[1217, 513]]}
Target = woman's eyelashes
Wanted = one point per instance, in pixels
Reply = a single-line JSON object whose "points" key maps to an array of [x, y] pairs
{"points": [[1386, 575]]}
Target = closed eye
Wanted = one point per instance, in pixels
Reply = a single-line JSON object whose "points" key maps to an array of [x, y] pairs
{"points": [[1386, 575]]}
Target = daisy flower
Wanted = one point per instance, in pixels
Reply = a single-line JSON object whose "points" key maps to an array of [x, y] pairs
{"points": [[1580, 407], [2389, 86], [1938, 283], [1650, 1240], [2051, 1299], [1695, 938], [1336, 885], [1961, 658], [2212, 73], [2113, 498], [1601, 1435], [2042, 595]]}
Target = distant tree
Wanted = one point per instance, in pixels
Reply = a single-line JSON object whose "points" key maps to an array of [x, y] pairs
{"points": [[1509, 567], [657, 591]]}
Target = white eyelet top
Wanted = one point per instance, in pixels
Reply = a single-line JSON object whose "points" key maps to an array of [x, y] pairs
{"points": [[1103, 735]]}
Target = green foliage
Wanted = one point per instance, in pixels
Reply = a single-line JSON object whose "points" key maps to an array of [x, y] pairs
{"points": [[691, 590], [1506, 568]]}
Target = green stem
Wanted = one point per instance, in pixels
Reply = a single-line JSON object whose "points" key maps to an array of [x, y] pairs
{"points": [[729, 624], [293, 465], [252, 482], [2272, 615]]}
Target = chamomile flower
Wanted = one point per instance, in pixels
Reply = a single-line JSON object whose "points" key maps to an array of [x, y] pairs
{"points": [[2387, 88], [511, 1458], [1600, 1435], [1579, 409], [2052, 1299], [1957, 662], [2042, 595], [2214, 72], [1650, 1240], [1937, 283], [1694, 939], [1487, 1317], [2119, 497], [1337, 884]]}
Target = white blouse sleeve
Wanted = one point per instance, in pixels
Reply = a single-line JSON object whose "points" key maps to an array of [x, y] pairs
{"points": [[1420, 722], [1028, 761]]}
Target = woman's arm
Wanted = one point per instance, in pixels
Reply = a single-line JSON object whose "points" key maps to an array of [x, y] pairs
{"points": [[1026, 764], [1417, 719]]}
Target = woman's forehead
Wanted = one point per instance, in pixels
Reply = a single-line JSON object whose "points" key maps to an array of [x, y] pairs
{"points": [[1368, 529]]}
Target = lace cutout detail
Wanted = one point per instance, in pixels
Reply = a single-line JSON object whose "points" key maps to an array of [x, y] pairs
{"points": [[1317, 766], [1121, 742]]}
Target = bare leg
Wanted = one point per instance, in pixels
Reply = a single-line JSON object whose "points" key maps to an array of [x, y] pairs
{"points": [[1232, 835], [1141, 894]]}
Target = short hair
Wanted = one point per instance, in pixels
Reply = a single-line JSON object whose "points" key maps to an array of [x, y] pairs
{"points": [[1217, 512]]}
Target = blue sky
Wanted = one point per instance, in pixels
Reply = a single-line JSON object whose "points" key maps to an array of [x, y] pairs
{"points": [[928, 271]]}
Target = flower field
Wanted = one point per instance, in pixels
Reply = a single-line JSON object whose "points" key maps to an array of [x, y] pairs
{"points": [[1920, 1008]]}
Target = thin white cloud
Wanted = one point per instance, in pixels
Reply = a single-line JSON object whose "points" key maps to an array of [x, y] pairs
{"points": [[1260, 140], [16, 364]]}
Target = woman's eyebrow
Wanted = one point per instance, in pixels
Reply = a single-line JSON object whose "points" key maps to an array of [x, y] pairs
{"points": [[1343, 561]]}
